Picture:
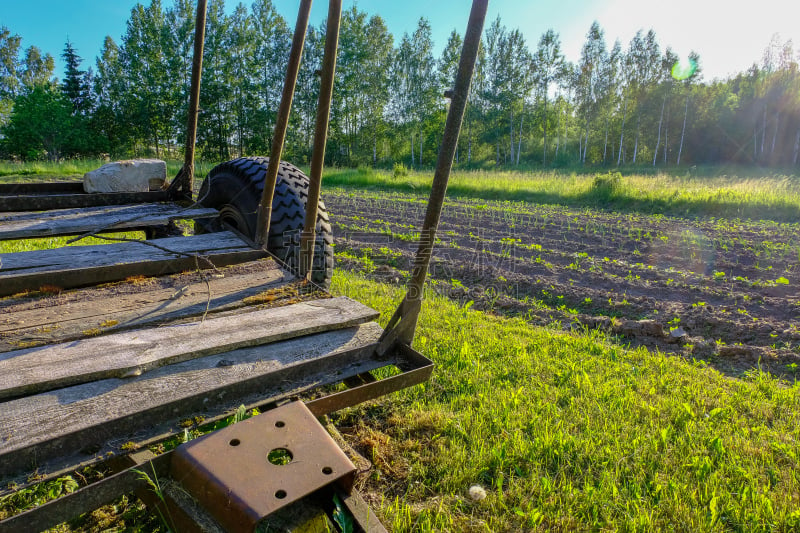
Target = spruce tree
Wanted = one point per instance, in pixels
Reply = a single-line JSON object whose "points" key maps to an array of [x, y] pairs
{"points": [[75, 85]]}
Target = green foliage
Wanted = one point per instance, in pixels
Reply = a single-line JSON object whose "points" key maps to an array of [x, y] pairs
{"points": [[399, 171], [606, 186], [19, 76], [76, 85], [529, 106], [154, 485], [342, 517], [45, 123], [9, 65], [40, 125], [36, 495]]}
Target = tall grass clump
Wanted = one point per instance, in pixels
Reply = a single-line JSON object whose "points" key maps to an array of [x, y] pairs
{"points": [[606, 186], [399, 171]]}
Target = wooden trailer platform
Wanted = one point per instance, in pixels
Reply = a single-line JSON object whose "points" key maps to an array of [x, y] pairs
{"points": [[157, 336], [107, 351]]}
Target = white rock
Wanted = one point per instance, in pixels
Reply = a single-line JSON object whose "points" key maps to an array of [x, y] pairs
{"points": [[135, 175]]}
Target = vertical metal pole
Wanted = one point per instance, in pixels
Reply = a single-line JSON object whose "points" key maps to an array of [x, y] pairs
{"points": [[404, 321], [308, 237], [281, 123], [185, 179]]}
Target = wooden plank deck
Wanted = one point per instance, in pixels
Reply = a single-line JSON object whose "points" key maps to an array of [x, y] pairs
{"points": [[70, 315], [27, 225], [76, 266], [194, 327], [74, 199], [132, 353], [38, 187], [85, 422]]}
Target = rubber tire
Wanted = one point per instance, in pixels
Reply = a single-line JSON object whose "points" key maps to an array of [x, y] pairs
{"points": [[235, 188]]}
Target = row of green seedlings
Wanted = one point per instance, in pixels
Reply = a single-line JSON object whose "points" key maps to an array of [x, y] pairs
{"points": [[368, 259], [629, 226], [634, 234], [509, 244], [577, 260], [385, 255], [791, 368]]}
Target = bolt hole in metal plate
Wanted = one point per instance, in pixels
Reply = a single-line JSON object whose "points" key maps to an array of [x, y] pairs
{"points": [[246, 471], [280, 457]]}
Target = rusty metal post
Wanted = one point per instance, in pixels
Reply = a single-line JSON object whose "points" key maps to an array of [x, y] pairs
{"points": [[184, 181], [281, 123], [308, 237], [404, 321]]}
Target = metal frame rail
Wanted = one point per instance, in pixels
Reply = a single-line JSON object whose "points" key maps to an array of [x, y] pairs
{"points": [[127, 477]]}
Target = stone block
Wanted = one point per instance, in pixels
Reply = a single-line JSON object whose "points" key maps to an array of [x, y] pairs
{"points": [[135, 175]]}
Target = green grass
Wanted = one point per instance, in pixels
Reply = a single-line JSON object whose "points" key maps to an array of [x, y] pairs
{"points": [[73, 169], [771, 197], [572, 432], [734, 192], [27, 245]]}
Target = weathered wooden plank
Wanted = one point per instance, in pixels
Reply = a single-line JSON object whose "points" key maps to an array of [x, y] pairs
{"points": [[364, 516], [69, 315], [42, 202], [88, 417], [35, 370], [100, 255], [75, 266], [27, 225], [52, 187]]}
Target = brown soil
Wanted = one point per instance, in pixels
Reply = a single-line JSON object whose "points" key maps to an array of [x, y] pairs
{"points": [[720, 291]]}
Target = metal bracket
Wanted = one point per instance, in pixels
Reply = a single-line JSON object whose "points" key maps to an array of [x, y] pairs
{"points": [[246, 471], [401, 327]]}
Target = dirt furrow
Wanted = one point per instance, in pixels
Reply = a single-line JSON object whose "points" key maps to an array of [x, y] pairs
{"points": [[722, 291]]}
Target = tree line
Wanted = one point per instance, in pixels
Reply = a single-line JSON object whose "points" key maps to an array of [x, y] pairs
{"points": [[634, 104]]}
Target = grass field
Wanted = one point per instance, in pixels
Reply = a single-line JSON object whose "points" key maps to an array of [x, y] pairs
{"points": [[571, 430], [735, 195], [735, 192]]}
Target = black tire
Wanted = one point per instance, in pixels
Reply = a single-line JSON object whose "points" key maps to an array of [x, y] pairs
{"points": [[235, 188]]}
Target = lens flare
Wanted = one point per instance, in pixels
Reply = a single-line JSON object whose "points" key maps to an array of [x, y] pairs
{"points": [[684, 69]]}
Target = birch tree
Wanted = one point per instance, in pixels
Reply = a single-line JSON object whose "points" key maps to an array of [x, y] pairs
{"points": [[590, 80], [549, 68], [666, 80], [9, 64], [414, 80], [686, 82]]}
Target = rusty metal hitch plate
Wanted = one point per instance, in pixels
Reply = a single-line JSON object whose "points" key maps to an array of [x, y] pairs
{"points": [[248, 470]]}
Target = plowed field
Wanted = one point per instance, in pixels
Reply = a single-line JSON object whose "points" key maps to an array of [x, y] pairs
{"points": [[721, 291]]}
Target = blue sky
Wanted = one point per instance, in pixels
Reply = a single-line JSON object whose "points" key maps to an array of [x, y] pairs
{"points": [[728, 35]]}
